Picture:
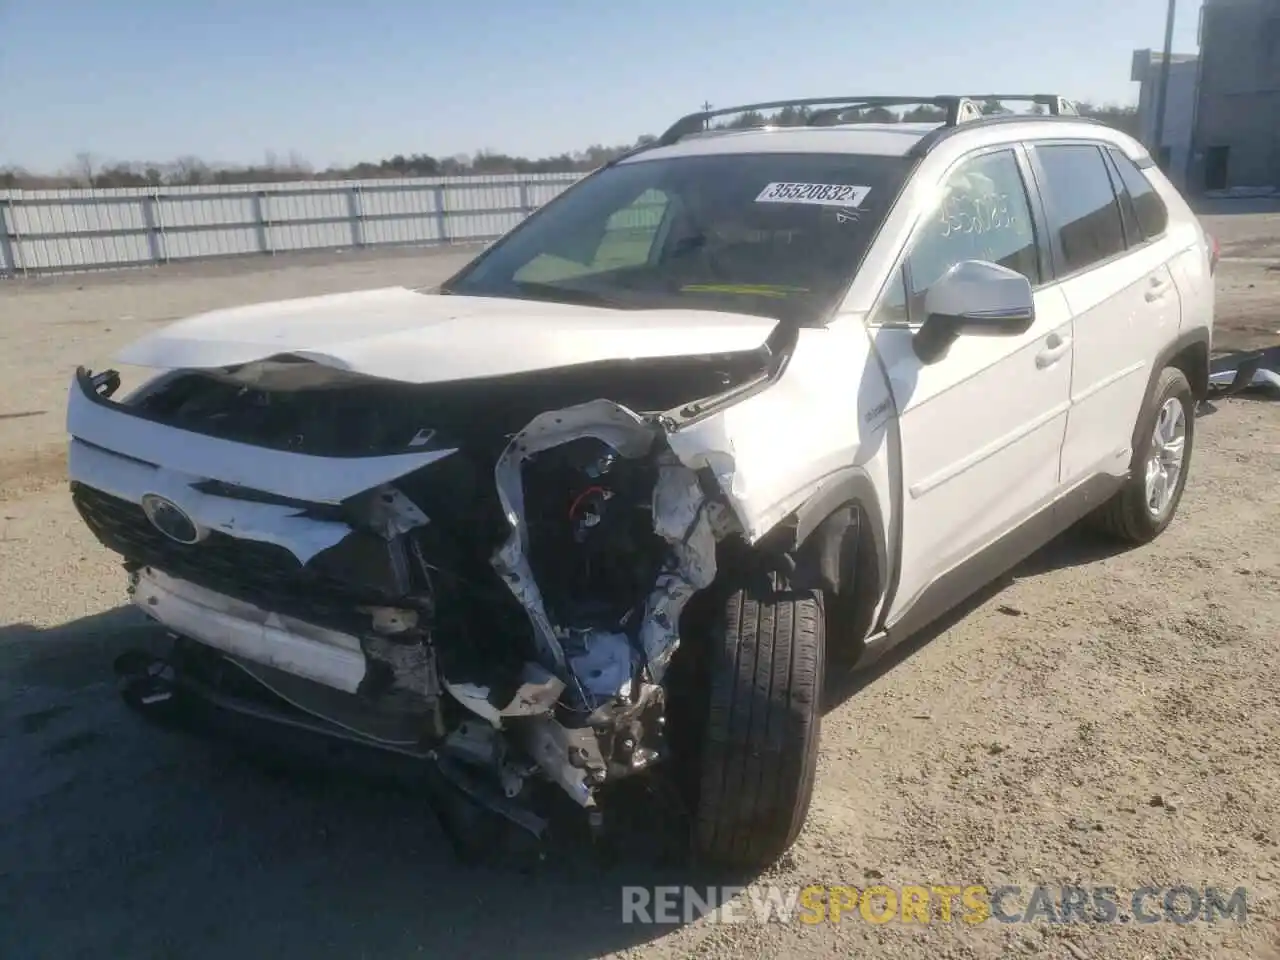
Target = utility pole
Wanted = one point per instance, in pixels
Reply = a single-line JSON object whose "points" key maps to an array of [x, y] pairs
{"points": [[1162, 90]]}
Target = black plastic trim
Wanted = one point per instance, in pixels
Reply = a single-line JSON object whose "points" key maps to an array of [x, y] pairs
{"points": [[1039, 215], [839, 544], [993, 561], [1195, 337], [1128, 212], [851, 485]]}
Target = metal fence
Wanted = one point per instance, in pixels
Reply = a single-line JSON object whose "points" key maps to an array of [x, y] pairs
{"points": [[54, 231]]}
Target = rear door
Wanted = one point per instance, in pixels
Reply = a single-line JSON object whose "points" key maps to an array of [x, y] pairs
{"points": [[1116, 278], [1162, 216]]}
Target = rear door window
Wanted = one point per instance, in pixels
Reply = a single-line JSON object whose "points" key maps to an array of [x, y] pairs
{"points": [[1148, 207], [1083, 210]]}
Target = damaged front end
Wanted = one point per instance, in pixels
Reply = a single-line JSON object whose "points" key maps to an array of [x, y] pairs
{"points": [[487, 575]]}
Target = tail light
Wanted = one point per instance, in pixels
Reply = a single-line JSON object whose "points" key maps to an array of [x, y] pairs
{"points": [[1215, 252]]}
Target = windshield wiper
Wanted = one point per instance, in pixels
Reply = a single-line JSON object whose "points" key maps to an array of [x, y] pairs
{"points": [[555, 293]]}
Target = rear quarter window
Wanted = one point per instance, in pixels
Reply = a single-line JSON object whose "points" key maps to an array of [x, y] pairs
{"points": [[1082, 206], [1148, 207]]}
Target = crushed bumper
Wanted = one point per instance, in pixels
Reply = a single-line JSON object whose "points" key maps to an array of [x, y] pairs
{"points": [[241, 629]]}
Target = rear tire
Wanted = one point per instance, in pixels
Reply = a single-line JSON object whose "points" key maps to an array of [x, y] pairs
{"points": [[1131, 514], [760, 745]]}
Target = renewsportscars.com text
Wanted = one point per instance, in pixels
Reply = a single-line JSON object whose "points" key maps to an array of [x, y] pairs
{"points": [[933, 903]]}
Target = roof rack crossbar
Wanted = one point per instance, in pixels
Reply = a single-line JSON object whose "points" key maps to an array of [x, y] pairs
{"points": [[1058, 106], [957, 109], [954, 109], [697, 122]]}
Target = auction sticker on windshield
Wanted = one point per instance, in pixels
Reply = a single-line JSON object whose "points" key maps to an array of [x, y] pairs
{"points": [[823, 194]]}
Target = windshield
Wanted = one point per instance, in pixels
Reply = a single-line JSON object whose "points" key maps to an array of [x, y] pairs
{"points": [[774, 234]]}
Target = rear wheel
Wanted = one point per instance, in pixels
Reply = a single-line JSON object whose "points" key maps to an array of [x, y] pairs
{"points": [[1146, 504], [760, 743]]}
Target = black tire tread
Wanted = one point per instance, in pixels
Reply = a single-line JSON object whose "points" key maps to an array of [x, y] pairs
{"points": [[763, 728]]}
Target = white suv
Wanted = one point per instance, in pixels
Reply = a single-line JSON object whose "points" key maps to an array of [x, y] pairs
{"points": [[736, 405]]}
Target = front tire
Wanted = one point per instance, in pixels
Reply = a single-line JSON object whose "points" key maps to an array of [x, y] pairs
{"points": [[1142, 509], [760, 744]]}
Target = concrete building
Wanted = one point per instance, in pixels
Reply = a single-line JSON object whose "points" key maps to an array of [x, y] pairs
{"points": [[1174, 155], [1237, 116]]}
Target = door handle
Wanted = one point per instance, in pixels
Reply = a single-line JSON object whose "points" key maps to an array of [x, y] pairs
{"points": [[1158, 288], [1051, 354]]}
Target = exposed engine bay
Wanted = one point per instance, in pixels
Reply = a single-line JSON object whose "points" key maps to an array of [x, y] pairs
{"points": [[509, 610]]}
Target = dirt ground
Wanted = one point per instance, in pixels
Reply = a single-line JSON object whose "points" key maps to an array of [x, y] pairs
{"points": [[1098, 718]]}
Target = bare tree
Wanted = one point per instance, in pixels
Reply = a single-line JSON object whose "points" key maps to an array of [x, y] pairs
{"points": [[84, 167], [190, 170]]}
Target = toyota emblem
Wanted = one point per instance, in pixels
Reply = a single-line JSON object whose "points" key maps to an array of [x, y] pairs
{"points": [[171, 520]]}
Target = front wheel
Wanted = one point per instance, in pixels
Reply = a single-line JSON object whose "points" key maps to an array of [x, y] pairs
{"points": [[1146, 504], [760, 744]]}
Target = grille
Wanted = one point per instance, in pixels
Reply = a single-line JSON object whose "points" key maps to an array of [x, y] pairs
{"points": [[264, 574]]}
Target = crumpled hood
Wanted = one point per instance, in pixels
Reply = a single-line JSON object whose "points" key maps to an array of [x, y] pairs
{"points": [[400, 334]]}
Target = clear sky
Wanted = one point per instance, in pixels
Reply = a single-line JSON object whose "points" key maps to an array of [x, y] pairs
{"points": [[340, 80]]}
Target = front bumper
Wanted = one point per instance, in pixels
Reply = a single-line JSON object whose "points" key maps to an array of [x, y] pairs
{"points": [[324, 580], [243, 630]]}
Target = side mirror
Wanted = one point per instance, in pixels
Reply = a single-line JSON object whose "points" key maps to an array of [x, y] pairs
{"points": [[973, 297]]}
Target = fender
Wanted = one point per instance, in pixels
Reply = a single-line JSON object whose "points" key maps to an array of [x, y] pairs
{"points": [[837, 538]]}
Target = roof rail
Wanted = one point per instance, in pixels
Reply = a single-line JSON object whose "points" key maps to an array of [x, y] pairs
{"points": [[939, 134], [956, 108]]}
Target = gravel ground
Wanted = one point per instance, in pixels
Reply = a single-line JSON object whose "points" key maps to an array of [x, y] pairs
{"points": [[1097, 718]]}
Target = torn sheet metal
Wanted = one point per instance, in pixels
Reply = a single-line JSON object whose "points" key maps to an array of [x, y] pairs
{"points": [[602, 662], [248, 520], [297, 476], [316, 653], [391, 513], [680, 517], [537, 695], [603, 420]]}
